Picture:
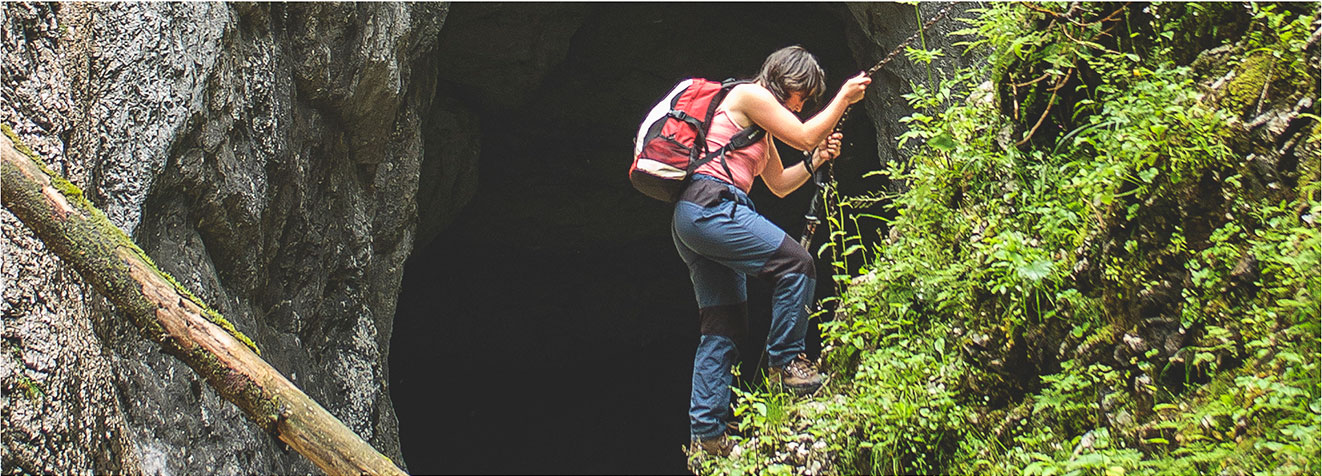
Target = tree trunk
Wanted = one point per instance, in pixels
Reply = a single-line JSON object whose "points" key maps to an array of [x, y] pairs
{"points": [[168, 314]]}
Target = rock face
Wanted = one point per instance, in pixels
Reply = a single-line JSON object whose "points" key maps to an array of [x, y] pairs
{"points": [[282, 161], [268, 157], [875, 30]]}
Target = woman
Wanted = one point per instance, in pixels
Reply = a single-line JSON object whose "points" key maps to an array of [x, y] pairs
{"points": [[722, 238]]}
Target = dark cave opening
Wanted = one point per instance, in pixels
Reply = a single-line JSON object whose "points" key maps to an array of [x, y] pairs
{"points": [[550, 328]]}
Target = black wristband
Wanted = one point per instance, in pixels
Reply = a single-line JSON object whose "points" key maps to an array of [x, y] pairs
{"points": [[807, 161]]}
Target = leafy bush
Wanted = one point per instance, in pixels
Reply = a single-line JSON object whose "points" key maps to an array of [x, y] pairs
{"points": [[1105, 261]]}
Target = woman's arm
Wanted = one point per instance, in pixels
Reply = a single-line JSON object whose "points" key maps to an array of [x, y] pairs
{"points": [[782, 180], [757, 105]]}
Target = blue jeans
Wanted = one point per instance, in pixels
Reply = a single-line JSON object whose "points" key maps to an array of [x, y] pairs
{"points": [[723, 239]]}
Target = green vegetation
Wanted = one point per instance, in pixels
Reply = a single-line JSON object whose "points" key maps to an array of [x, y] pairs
{"points": [[1106, 260], [31, 388]]}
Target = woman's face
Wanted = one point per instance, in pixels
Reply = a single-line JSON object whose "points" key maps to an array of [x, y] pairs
{"points": [[795, 101]]}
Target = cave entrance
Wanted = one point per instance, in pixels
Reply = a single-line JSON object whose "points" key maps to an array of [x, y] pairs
{"points": [[550, 328]]}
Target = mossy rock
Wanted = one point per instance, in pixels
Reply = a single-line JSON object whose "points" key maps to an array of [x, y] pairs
{"points": [[1243, 91]]}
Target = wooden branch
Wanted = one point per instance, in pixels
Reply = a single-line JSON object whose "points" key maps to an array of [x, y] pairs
{"points": [[1051, 101], [1035, 81], [169, 315]]}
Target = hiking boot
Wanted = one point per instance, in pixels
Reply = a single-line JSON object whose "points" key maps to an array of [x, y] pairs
{"points": [[715, 446], [800, 375]]}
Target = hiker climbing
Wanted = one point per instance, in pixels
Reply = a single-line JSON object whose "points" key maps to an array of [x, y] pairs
{"points": [[721, 237]]}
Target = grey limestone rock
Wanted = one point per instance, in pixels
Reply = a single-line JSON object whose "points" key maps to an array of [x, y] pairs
{"points": [[875, 30], [267, 156]]}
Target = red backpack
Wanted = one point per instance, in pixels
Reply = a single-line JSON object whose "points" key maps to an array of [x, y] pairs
{"points": [[672, 141]]}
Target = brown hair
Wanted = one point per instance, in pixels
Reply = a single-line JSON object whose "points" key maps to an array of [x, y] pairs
{"points": [[791, 69]]}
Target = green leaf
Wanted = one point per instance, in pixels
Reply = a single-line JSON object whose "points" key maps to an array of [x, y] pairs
{"points": [[943, 141], [1036, 270]]}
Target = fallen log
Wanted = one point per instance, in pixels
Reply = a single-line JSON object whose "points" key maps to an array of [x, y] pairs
{"points": [[174, 318]]}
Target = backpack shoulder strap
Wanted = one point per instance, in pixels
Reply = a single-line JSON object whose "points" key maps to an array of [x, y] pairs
{"points": [[749, 135], [744, 138], [726, 86], [732, 82]]}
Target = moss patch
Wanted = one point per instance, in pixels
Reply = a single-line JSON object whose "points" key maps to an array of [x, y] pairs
{"points": [[1244, 90], [31, 388], [263, 407]]}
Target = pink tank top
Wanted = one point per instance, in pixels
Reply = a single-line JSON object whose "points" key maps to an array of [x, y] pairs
{"points": [[744, 163]]}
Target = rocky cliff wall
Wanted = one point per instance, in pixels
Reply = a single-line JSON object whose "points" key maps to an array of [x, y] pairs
{"points": [[268, 157], [874, 29]]}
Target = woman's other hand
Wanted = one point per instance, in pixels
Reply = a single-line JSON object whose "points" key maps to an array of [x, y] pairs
{"points": [[830, 148]]}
